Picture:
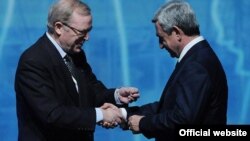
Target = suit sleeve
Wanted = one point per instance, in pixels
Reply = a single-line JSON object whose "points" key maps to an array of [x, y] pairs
{"points": [[191, 91], [145, 110], [34, 86]]}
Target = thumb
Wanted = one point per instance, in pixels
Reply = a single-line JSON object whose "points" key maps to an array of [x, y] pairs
{"points": [[105, 106]]}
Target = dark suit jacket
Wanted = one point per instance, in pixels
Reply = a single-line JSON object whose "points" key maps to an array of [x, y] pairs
{"points": [[196, 93], [48, 105]]}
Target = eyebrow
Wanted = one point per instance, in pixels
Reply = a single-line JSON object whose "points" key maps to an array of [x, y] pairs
{"points": [[81, 31]]}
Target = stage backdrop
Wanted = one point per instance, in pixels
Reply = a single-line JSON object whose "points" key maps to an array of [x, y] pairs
{"points": [[123, 50]]}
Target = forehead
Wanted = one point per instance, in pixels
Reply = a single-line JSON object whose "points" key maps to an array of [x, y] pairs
{"points": [[158, 28], [80, 20]]}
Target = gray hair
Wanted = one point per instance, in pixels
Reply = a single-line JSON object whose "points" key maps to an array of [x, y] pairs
{"points": [[62, 11], [177, 13]]}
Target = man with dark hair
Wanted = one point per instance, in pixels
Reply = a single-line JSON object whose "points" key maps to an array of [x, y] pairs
{"points": [[196, 92]]}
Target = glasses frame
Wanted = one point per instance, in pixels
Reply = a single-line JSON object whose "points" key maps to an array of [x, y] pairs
{"points": [[77, 31]]}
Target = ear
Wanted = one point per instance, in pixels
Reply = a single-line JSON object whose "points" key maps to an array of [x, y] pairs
{"points": [[178, 32], [58, 28]]}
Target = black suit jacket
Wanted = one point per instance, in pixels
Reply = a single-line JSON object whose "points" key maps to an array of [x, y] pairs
{"points": [[196, 93], [48, 105]]}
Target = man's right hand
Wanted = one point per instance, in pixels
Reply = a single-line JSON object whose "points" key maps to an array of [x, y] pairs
{"points": [[112, 115]]}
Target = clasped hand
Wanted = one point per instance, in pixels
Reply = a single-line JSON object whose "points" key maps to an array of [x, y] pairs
{"points": [[112, 116]]}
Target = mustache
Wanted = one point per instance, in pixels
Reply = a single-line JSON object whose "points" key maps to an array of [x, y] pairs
{"points": [[80, 41]]}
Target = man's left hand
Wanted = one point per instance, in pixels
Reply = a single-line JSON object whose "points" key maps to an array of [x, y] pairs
{"points": [[133, 123], [128, 94]]}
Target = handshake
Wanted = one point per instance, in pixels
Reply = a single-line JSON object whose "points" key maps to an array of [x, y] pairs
{"points": [[114, 116]]}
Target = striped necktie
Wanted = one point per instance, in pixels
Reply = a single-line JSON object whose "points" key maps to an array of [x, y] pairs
{"points": [[69, 63]]}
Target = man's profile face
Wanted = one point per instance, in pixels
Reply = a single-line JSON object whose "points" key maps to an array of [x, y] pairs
{"points": [[76, 32], [166, 41]]}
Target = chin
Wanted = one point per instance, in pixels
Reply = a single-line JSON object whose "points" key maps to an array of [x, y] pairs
{"points": [[77, 50], [173, 55]]}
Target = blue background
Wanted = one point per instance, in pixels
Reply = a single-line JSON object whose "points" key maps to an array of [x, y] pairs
{"points": [[123, 50]]}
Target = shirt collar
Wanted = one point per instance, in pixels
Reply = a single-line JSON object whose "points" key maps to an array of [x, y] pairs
{"points": [[57, 46], [189, 46]]}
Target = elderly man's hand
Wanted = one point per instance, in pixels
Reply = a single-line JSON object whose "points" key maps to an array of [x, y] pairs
{"points": [[112, 116], [128, 94]]}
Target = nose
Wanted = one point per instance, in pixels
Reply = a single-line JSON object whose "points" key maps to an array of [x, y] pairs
{"points": [[161, 46], [86, 37]]}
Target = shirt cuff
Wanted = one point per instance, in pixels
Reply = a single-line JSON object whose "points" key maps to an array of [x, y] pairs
{"points": [[116, 95], [99, 115], [124, 113]]}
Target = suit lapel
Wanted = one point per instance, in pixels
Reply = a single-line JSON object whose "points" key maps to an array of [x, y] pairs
{"points": [[187, 58], [79, 60], [169, 82], [61, 70], [177, 68]]}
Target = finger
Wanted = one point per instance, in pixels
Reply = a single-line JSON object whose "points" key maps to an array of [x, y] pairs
{"points": [[114, 124], [117, 120], [135, 95], [122, 90], [129, 124], [110, 124], [131, 128], [134, 90], [104, 125], [124, 93], [131, 98], [108, 105], [116, 111], [105, 106], [130, 119], [124, 99], [115, 108]]}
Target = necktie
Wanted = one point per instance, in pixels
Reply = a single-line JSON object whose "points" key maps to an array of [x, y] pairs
{"points": [[71, 67], [177, 64], [69, 63]]}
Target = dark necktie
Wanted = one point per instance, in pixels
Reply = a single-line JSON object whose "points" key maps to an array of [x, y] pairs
{"points": [[69, 63], [177, 64]]}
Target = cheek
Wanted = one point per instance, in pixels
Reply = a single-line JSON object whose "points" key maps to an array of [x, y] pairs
{"points": [[166, 43], [70, 41], [65, 39], [170, 42]]}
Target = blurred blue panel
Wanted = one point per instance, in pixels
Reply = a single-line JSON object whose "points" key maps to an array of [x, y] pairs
{"points": [[123, 50]]}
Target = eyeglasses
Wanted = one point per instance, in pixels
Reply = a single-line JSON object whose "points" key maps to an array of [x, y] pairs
{"points": [[76, 31]]}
